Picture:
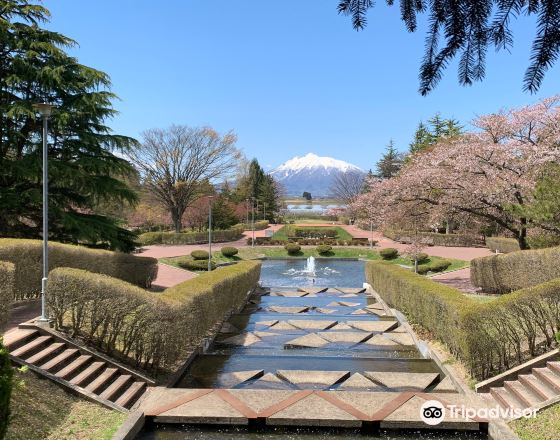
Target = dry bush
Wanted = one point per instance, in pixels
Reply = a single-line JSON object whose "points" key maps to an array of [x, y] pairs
{"points": [[7, 278], [502, 244]]}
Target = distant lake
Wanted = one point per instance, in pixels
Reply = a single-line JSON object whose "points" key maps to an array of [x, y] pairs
{"points": [[316, 207]]}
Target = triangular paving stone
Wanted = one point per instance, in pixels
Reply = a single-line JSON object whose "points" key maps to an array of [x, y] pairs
{"points": [[375, 306], [409, 413], [310, 379], [244, 339], [315, 411], [206, 408], [365, 401], [400, 329], [310, 340], [348, 304], [342, 326], [260, 399], [325, 310], [353, 290], [401, 338], [312, 289], [359, 382], [381, 341], [333, 304], [311, 295], [311, 324], [349, 295], [265, 334], [292, 294], [376, 312], [270, 382], [359, 312], [283, 325], [229, 380], [281, 309], [445, 386], [402, 381], [373, 326], [344, 337], [266, 323], [229, 328]]}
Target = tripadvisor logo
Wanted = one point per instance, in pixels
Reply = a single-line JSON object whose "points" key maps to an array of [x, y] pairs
{"points": [[432, 412]]}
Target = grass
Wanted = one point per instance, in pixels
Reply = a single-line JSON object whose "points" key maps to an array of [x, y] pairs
{"points": [[545, 426], [482, 298], [289, 231], [42, 410]]}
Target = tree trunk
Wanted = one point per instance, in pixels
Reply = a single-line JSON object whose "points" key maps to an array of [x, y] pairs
{"points": [[447, 227], [522, 239], [176, 218]]}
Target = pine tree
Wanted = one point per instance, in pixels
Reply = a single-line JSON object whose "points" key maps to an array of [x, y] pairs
{"points": [[84, 170], [422, 139], [390, 163]]}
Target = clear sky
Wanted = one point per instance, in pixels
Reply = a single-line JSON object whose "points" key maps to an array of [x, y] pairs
{"points": [[288, 76]]}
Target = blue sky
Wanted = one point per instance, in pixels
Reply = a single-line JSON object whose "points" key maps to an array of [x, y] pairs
{"points": [[288, 76]]}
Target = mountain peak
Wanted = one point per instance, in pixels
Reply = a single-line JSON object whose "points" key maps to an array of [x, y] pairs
{"points": [[312, 160]]}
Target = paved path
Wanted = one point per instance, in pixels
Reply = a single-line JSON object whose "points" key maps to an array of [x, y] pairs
{"points": [[169, 276], [22, 312], [460, 279]]}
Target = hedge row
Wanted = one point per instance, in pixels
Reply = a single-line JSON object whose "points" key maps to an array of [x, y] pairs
{"points": [[152, 331], [488, 337], [259, 225], [435, 239], [27, 256], [323, 233], [218, 236], [6, 383], [502, 244], [268, 241], [7, 278], [516, 270]]}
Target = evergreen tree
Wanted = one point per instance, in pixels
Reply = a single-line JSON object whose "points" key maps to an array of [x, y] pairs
{"points": [[422, 139], [223, 213], [390, 163], [84, 170], [438, 129], [269, 197]]}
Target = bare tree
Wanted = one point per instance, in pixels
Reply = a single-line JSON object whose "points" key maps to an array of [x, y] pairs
{"points": [[175, 163], [347, 186]]}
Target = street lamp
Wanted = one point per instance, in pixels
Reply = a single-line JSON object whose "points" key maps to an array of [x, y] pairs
{"points": [[253, 221], [45, 110], [210, 233], [264, 211], [371, 234], [247, 206]]}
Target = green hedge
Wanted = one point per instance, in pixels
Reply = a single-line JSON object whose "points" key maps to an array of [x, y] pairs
{"points": [[435, 239], [6, 383], [488, 337], [26, 255], [502, 244], [516, 270], [154, 331], [170, 238], [268, 241], [7, 279], [259, 225], [315, 233]]}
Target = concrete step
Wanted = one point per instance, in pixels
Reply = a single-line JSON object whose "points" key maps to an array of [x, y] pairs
{"points": [[88, 374], [521, 393], [548, 378], [116, 388], [505, 399], [535, 385], [48, 352], [130, 396], [102, 380], [74, 367], [59, 361], [31, 347], [554, 367], [18, 337]]}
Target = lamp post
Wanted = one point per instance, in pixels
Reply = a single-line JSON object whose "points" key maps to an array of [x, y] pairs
{"points": [[210, 233], [264, 211], [247, 206], [253, 221], [371, 234], [45, 111]]}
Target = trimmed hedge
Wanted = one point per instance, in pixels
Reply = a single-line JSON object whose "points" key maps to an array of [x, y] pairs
{"points": [[170, 238], [200, 255], [27, 256], [268, 241], [259, 225], [293, 248], [6, 383], [502, 244], [435, 239], [516, 270], [229, 251], [489, 337], [196, 265], [324, 249], [7, 279], [316, 233], [389, 253], [153, 331]]}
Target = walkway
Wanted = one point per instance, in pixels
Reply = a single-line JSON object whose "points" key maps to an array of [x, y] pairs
{"points": [[459, 279]]}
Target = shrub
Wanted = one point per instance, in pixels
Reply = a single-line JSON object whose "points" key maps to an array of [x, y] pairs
{"points": [[439, 265], [542, 241], [152, 331], [6, 382], [26, 255], [200, 255], [324, 249], [293, 248], [421, 257], [502, 244], [423, 269], [389, 253], [171, 238], [229, 251], [259, 225], [435, 239], [489, 337], [195, 265], [516, 270], [315, 232], [7, 278]]}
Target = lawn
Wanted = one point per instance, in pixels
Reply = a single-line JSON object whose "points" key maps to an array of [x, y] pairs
{"points": [[289, 231], [546, 426], [42, 410]]}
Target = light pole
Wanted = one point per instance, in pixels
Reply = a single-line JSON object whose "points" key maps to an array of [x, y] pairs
{"points": [[264, 211], [45, 110], [253, 221], [371, 234], [247, 206], [210, 233]]}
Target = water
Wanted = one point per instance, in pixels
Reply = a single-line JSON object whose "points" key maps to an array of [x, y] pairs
{"points": [[312, 207], [318, 272]]}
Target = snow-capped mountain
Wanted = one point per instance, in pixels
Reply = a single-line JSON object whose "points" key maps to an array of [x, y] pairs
{"points": [[311, 173]]}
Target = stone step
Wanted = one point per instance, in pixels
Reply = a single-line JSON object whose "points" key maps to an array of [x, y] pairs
{"points": [[505, 399], [88, 374], [18, 337], [128, 398], [524, 395], [102, 381], [51, 350], [548, 378], [535, 385], [32, 346], [74, 367], [58, 362], [554, 367], [113, 390]]}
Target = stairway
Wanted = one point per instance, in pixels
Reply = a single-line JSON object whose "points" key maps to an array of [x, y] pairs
{"points": [[528, 390], [75, 367]]}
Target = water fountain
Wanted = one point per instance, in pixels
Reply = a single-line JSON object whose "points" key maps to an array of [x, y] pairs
{"points": [[310, 266]]}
